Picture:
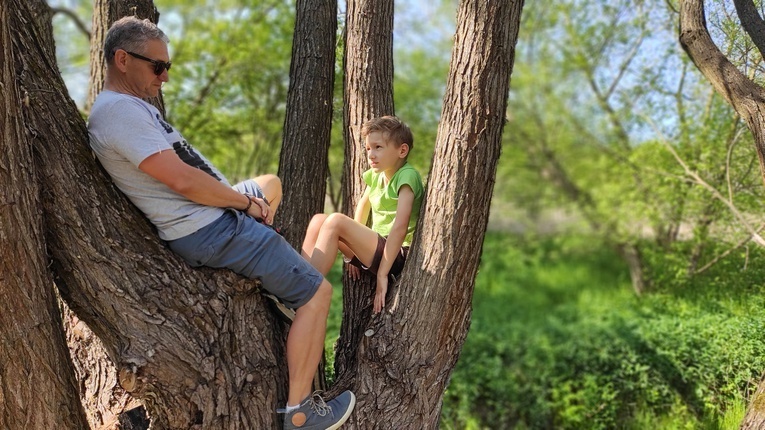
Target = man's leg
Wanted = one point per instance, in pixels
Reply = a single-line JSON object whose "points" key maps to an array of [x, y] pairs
{"points": [[305, 343], [342, 232]]}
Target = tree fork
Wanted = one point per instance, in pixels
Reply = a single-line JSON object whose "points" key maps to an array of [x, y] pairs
{"points": [[202, 342]]}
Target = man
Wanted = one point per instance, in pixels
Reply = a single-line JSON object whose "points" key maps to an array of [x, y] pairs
{"points": [[202, 218]]}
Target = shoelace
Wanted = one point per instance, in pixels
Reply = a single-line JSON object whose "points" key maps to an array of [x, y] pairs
{"points": [[319, 405]]}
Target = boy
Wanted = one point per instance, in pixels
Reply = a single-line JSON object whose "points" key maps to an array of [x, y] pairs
{"points": [[393, 196]]}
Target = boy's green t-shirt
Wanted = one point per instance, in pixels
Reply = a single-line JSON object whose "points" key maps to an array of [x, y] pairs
{"points": [[383, 199]]}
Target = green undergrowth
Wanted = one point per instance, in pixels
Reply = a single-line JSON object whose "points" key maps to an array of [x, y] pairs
{"points": [[559, 340]]}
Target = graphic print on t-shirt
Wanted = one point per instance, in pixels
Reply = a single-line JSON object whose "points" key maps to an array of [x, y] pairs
{"points": [[192, 158], [185, 152]]}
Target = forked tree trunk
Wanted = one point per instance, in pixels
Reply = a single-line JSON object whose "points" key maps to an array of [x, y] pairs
{"points": [[407, 356], [303, 162], [37, 386], [200, 347], [368, 92]]}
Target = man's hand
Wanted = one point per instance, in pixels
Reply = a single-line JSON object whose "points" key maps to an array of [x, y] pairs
{"points": [[382, 289], [260, 209]]}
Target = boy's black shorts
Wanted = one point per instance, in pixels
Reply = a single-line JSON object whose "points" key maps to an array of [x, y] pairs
{"points": [[398, 264]]}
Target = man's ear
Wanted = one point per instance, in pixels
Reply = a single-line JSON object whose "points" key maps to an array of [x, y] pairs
{"points": [[403, 150], [120, 60]]}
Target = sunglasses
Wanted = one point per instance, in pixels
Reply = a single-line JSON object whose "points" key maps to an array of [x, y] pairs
{"points": [[159, 66]]}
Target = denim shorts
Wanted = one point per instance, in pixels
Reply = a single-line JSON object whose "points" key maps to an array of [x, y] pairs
{"points": [[249, 187], [238, 242]]}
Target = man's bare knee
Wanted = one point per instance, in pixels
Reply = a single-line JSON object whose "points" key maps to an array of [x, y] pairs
{"points": [[320, 300]]}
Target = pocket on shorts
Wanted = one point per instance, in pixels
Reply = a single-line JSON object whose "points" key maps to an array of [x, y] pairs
{"points": [[195, 256]]}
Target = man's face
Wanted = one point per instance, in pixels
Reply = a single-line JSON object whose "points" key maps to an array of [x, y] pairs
{"points": [[140, 77]]}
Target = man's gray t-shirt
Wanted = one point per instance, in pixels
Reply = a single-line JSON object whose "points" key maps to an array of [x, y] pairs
{"points": [[124, 131]]}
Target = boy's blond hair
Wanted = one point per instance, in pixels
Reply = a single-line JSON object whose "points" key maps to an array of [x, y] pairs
{"points": [[394, 129]]}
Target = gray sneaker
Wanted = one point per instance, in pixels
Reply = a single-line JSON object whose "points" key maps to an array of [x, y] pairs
{"points": [[316, 414]]}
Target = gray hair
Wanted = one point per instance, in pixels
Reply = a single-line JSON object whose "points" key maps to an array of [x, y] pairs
{"points": [[131, 34]]}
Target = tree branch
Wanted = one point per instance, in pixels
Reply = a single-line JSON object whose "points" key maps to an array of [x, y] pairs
{"points": [[752, 22], [73, 16]]}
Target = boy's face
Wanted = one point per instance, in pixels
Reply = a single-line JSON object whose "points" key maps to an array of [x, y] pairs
{"points": [[384, 155]]}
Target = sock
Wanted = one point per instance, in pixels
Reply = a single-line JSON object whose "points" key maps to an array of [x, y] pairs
{"points": [[288, 408]]}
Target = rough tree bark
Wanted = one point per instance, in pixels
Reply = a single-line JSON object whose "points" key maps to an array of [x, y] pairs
{"points": [[303, 164], [106, 402], [745, 96], [406, 358], [37, 386], [199, 347], [368, 93]]}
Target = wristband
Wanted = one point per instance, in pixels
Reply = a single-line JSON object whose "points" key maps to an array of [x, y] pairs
{"points": [[249, 204]]}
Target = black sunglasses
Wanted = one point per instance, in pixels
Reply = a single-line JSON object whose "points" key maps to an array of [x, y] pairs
{"points": [[159, 66]]}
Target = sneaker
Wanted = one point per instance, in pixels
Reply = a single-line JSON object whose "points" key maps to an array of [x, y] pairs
{"points": [[286, 314], [316, 414]]}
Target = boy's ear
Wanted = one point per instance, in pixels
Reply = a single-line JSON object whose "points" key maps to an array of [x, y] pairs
{"points": [[403, 150]]}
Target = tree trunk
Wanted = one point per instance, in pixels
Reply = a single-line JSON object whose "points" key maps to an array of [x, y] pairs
{"points": [[408, 354], [104, 400], [37, 386], [303, 164], [100, 393], [368, 92], [198, 346], [744, 95], [755, 415]]}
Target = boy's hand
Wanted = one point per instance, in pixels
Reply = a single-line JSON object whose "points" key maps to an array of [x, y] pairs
{"points": [[382, 289], [354, 272]]}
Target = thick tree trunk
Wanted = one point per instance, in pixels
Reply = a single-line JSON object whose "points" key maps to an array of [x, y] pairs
{"points": [[101, 394], [368, 92], [368, 84], [105, 401], [407, 356], [37, 386], [198, 346], [303, 164]]}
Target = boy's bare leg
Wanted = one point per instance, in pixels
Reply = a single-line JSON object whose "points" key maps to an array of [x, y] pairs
{"points": [[339, 231], [272, 189], [305, 343], [309, 242]]}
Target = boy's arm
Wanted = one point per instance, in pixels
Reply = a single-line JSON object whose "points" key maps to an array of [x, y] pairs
{"points": [[393, 243], [360, 216], [362, 208]]}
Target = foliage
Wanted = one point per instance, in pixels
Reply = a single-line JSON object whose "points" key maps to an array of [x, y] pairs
{"points": [[558, 341], [591, 124]]}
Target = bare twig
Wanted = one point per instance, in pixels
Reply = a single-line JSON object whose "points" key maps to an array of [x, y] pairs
{"points": [[73, 16]]}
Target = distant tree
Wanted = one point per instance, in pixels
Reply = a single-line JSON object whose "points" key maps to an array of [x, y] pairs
{"points": [[742, 93]]}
